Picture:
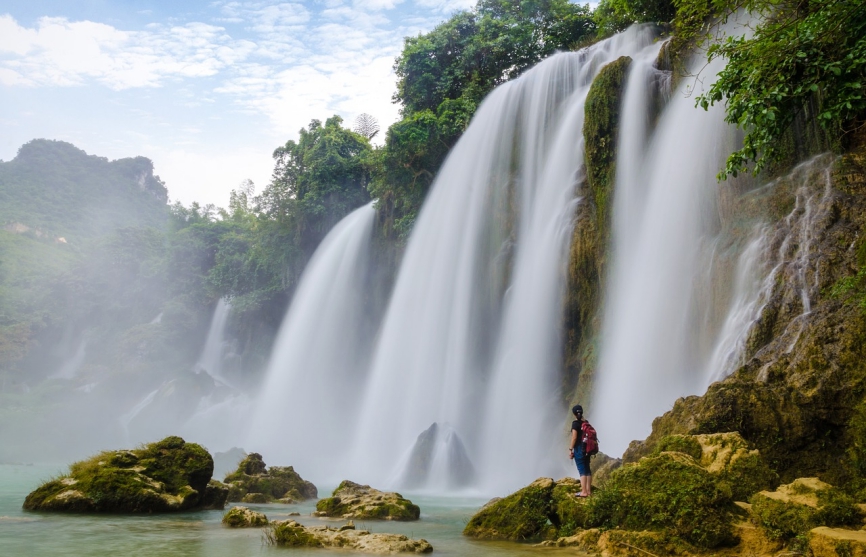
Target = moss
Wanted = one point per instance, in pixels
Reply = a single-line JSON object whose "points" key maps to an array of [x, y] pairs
{"points": [[523, 515], [292, 534], [169, 475], [668, 492], [568, 512], [685, 444], [587, 260]]}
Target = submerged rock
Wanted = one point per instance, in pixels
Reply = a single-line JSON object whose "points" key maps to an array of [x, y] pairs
{"points": [[170, 475], [438, 455], [293, 534], [351, 500], [242, 517], [253, 482]]}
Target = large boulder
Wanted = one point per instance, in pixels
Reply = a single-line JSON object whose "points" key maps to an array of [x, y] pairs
{"points": [[355, 501], [669, 495], [293, 534], [254, 482], [170, 475], [523, 515]]}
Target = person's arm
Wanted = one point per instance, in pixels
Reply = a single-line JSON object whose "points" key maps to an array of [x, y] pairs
{"points": [[573, 442]]}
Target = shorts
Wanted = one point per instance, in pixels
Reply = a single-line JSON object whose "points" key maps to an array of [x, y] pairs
{"points": [[582, 462]]}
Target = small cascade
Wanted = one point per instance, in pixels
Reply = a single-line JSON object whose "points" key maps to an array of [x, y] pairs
{"points": [[471, 333], [309, 398], [211, 359], [127, 418], [70, 367]]}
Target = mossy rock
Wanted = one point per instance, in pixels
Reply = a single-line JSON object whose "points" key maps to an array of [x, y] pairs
{"points": [[523, 515], [170, 475], [806, 503], [254, 482], [289, 533], [292, 534], [215, 496], [242, 517], [728, 457], [837, 542], [355, 501], [669, 493]]}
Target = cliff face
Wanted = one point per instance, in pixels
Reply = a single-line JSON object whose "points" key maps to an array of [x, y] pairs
{"points": [[798, 397]]}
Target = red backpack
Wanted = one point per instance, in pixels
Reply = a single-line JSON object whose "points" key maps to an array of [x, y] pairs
{"points": [[590, 438]]}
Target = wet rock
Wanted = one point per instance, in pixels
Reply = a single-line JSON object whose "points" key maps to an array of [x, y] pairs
{"points": [[242, 517], [361, 502], [293, 534], [254, 482], [167, 476], [215, 496]]}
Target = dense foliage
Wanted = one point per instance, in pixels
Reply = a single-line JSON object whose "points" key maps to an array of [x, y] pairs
{"points": [[442, 77], [613, 16], [800, 51]]}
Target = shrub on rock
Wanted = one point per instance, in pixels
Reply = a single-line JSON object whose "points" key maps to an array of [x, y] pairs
{"points": [[254, 482], [170, 475], [242, 517], [355, 501]]}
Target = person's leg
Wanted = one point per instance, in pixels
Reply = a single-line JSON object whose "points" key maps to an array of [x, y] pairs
{"points": [[588, 487], [583, 485]]}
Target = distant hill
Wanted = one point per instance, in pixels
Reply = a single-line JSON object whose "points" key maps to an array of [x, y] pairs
{"points": [[54, 190]]}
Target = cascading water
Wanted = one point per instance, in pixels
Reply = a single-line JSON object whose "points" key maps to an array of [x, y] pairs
{"points": [[211, 359], [650, 342], [471, 334], [308, 402]]}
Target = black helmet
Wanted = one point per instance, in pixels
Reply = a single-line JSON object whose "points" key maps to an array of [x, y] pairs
{"points": [[577, 409]]}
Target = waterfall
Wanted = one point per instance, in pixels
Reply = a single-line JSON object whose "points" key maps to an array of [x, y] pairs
{"points": [[471, 334], [650, 343], [308, 401], [211, 359]]}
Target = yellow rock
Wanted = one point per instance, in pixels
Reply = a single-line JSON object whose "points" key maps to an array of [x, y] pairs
{"points": [[832, 542]]}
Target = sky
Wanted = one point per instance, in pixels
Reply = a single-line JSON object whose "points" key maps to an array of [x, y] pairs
{"points": [[205, 89]]}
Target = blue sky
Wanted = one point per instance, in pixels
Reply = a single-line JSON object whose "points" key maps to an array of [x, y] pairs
{"points": [[207, 90]]}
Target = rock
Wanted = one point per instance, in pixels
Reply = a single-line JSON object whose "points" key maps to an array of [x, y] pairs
{"points": [[438, 444], [253, 482], [348, 526], [728, 457], [361, 502], [833, 542], [242, 517], [293, 534], [215, 495], [523, 515], [170, 475], [806, 503]]}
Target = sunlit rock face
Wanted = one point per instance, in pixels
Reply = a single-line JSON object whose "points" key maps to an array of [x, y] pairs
{"points": [[438, 458]]}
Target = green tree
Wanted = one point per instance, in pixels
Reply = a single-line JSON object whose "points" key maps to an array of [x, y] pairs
{"points": [[801, 52]]}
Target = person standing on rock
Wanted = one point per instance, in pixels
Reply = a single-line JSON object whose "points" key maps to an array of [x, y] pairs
{"points": [[577, 451]]}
